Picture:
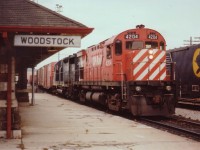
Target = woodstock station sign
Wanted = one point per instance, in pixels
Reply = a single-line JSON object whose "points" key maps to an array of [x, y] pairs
{"points": [[47, 40]]}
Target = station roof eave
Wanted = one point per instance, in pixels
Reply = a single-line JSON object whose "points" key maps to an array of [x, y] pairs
{"points": [[82, 31], [31, 56]]}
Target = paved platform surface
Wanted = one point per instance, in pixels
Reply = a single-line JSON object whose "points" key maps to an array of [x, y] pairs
{"points": [[58, 124]]}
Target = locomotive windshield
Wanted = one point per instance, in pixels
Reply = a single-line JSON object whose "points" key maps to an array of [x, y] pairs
{"points": [[133, 45], [151, 45]]}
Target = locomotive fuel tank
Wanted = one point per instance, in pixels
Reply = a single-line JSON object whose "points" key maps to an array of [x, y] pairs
{"points": [[96, 97]]}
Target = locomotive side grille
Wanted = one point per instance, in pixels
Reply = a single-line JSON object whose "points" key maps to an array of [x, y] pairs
{"points": [[145, 68]]}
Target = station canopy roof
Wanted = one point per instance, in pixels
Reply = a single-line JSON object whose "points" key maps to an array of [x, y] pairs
{"points": [[24, 17]]}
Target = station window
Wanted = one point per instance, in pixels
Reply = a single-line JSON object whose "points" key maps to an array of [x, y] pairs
{"points": [[118, 47], [151, 44], [134, 45], [108, 52], [162, 45]]}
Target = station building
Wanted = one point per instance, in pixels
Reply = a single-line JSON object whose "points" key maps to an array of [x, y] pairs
{"points": [[29, 33]]}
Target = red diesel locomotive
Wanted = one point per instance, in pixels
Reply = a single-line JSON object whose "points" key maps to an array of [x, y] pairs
{"points": [[125, 72]]}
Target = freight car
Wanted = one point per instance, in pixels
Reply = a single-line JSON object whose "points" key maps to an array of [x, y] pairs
{"points": [[45, 76], [187, 68], [125, 72]]}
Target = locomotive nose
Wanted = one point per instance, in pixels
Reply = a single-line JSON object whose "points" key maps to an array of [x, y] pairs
{"points": [[149, 64]]}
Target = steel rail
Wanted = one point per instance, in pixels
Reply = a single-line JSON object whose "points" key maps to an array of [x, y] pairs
{"points": [[186, 121], [182, 130]]}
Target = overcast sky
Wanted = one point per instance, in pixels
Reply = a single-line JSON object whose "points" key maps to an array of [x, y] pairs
{"points": [[176, 20]]}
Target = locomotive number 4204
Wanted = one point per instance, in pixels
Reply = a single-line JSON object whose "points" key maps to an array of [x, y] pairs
{"points": [[152, 36], [131, 36]]}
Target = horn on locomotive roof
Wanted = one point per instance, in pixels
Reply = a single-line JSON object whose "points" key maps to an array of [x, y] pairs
{"points": [[140, 26]]}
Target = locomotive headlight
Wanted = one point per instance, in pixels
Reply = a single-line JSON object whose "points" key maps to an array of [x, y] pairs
{"points": [[138, 88], [150, 52], [150, 56], [168, 88]]}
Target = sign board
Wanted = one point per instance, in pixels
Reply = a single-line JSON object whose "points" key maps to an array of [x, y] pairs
{"points": [[47, 41]]}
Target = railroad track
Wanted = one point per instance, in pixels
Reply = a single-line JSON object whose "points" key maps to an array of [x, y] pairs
{"points": [[180, 126], [192, 104]]}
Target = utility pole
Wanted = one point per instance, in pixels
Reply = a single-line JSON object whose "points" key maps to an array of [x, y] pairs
{"points": [[191, 41], [58, 56], [59, 10]]}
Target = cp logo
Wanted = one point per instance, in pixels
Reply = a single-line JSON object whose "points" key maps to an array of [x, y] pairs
{"points": [[196, 62]]}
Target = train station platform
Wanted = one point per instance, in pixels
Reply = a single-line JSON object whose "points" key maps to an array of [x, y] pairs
{"points": [[54, 123]]}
